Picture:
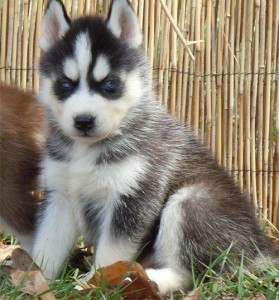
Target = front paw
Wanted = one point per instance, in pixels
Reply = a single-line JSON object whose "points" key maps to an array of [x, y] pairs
{"points": [[48, 265], [88, 276]]}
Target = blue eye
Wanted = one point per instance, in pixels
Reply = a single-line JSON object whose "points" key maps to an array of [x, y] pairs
{"points": [[109, 86], [65, 85]]}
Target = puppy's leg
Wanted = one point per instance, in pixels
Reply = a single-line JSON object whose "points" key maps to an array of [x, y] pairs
{"points": [[56, 234], [26, 239], [26, 242], [111, 249], [197, 224], [171, 275]]}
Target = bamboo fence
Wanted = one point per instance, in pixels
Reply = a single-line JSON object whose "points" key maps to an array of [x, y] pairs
{"points": [[225, 87]]}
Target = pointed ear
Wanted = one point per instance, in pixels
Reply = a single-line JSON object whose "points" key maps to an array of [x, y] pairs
{"points": [[54, 24], [124, 24]]}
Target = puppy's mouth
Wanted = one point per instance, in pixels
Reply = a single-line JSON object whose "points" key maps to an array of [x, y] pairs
{"points": [[82, 134], [86, 134], [90, 136]]}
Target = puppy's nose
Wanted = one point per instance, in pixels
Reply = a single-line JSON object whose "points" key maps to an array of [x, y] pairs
{"points": [[84, 122]]}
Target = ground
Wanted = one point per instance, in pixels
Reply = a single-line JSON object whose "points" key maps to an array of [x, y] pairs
{"points": [[238, 285]]}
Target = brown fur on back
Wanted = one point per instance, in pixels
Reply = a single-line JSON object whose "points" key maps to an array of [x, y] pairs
{"points": [[21, 125]]}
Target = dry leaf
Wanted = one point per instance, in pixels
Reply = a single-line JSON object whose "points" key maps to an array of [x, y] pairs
{"points": [[194, 295], [34, 282], [115, 273], [136, 286], [6, 251], [132, 279], [27, 275], [260, 296]]}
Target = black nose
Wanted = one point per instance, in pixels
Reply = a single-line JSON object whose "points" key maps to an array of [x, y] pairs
{"points": [[84, 122]]}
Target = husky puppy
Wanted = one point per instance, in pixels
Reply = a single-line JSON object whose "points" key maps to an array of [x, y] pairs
{"points": [[22, 131], [119, 170]]}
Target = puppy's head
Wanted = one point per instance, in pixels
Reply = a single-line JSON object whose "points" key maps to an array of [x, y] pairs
{"points": [[93, 71]]}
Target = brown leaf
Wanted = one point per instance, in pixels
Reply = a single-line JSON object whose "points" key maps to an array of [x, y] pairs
{"points": [[194, 295], [22, 260], [6, 252], [115, 273], [260, 296], [27, 275], [33, 281], [132, 279], [136, 286]]}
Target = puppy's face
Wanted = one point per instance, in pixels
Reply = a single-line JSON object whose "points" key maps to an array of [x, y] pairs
{"points": [[91, 70]]}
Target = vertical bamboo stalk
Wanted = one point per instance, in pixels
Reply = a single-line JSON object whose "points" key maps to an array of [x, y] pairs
{"points": [[191, 76], [214, 72], [260, 103], [271, 161], [254, 103], [87, 7], [197, 78], [68, 6], [225, 109], [166, 60], [140, 13], [202, 78], [32, 24], [270, 158], [14, 41], [219, 80], [174, 61], [74, 12], [108, 5], [157, 21], [267, 106], [151, 33], [135, 5], [241, 99], [19, 43], [236, 89], [37, 42], [247, 93], [10, 41], [25, 44], [145, 25], [186, 65], [161, 63], [80, 7], [3, 40], [207, 73], [231, 86], [179, 98], [1, 15], [275, 216]]}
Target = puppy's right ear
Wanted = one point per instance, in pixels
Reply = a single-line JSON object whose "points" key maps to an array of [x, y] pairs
{"points": [[55, 24]]}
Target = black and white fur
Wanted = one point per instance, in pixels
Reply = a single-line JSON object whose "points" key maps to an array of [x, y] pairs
{"points": [[118, 169]]}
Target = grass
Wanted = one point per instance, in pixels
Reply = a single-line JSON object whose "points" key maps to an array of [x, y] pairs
{"points": [[239, 284]]}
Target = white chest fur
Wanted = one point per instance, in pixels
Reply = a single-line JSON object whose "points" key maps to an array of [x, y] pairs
{"points": [[81, 177]]}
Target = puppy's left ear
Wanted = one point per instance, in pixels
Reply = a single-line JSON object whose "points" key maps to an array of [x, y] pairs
{"points": [[124, 24]]}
